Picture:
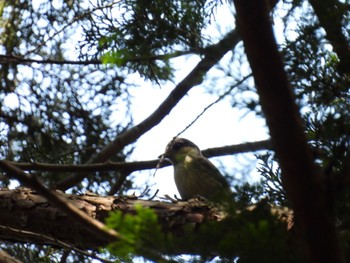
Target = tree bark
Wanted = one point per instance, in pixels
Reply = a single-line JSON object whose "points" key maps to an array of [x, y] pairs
{"points": [[29, 217]]}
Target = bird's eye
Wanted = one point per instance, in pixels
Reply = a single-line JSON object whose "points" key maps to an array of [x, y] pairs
{"points": [[176, 146]]}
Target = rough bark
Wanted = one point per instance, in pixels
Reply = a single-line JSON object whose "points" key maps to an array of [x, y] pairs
{"points": [[6, 258], [29, 217]]}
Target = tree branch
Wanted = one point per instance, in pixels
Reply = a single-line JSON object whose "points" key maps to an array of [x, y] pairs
{"points": [[28, 217], [330, 13], [212, 55], [92, 225], [6, 258], [142, 165], [302, 183], [31, 236], [14, 59]]}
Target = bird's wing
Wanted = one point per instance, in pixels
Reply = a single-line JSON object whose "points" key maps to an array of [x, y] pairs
{"points": [[208, 167]]}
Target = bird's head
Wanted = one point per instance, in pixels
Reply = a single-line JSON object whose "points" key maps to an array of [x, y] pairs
{"points": [[178, 148]]}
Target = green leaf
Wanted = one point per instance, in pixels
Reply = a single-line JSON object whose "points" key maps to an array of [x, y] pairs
{"points": [[141, 233]]}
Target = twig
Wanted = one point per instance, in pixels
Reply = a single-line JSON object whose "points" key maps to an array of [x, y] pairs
{"points": [[75, 19], [118, 184], [15, 59], [213, 103], [54, 241]]}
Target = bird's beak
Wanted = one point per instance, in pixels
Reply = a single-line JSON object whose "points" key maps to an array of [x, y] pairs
{"points": [[161, 160]]}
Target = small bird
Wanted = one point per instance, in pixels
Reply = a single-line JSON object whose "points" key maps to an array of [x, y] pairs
{"points": [[194, 174]]}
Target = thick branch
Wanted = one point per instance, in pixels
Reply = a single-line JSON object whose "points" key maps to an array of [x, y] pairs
{"points": [[87, 222], [301, 181], [28, 217], [212, 55]]}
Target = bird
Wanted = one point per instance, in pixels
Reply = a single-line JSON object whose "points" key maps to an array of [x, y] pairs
{"points": [[194, 174]]}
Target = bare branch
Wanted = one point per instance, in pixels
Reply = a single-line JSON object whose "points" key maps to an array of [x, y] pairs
{"points": [[14, 59], [28, 235], [142, 165], [238, 148], [222, 96], [118, 184]]}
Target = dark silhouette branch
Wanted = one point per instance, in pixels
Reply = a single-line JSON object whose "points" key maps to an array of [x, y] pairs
{"points": [[142, 165], [28, 180], [15, 59], [238, 148], [222, 96], [30, 236], [118, 184], [330, 13], [212, 55], [300, 178], [74, 20]]}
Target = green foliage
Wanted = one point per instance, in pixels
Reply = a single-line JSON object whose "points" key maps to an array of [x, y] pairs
{"points": [[271, 181], [55, 113], [249, 236], [313, 69], [138, 35], [253, 235], [141, 234]]}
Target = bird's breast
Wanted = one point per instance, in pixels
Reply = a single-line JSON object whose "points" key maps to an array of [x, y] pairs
{"points": [[188, 161]]}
